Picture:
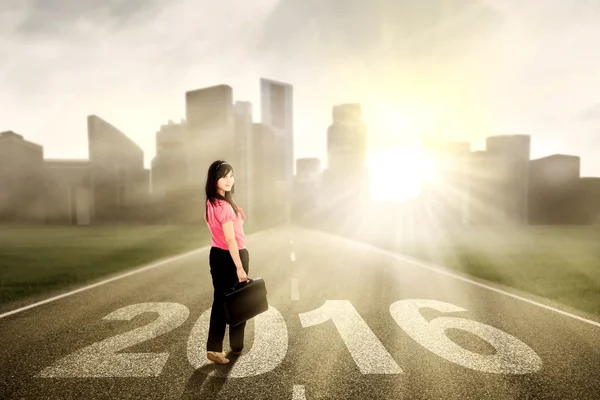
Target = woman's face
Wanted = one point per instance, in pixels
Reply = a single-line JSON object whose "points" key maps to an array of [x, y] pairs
{"points": [[225, 183]]}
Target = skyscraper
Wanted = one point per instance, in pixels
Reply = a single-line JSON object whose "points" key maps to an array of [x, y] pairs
{"points": [[68, 192], [307, 185], [588, 200], [242, 161], [267, 207], [446, 194], [346, 173], [210, 125], [21, 179], [117, 171], [553, 184], [510, 154], [277, 113], [169, 166], [483, 208]]}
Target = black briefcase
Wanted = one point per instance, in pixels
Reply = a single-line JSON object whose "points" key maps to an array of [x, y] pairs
{"points": [[245, 301]]}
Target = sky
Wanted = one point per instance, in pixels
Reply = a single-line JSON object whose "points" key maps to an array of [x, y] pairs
{"points": [[458, 69]]}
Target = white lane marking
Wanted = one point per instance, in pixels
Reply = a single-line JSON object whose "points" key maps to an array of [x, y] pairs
{"points": [[298, 393], [511, 356], [366, 349], [103, 359], [136, 271], [292, 256], [267, 352], [295, 289], [442, 270]]}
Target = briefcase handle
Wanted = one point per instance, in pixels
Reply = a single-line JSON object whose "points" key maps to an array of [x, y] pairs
{"points": [[239, 284]]}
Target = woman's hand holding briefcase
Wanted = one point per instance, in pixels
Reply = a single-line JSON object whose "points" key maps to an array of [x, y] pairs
{"points": [[245, 300]]}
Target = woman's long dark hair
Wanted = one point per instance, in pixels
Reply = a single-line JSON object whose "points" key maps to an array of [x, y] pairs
{"points": [[216, 171]]}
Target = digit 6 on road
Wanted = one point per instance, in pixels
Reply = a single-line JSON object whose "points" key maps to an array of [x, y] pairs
{"points": [[101, 359]]}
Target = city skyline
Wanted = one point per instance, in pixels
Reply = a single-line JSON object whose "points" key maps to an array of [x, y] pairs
{"points": [[512, 68], [411, 175]]}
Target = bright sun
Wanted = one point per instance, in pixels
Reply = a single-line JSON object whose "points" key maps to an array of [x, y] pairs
{"points": [[397, 174]]}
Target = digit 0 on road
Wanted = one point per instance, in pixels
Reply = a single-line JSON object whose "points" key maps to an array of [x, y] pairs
{"points": [[102, 360]]}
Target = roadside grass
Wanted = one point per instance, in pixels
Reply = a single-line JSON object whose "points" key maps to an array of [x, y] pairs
{"points": [[561, 263], [39, 259]]}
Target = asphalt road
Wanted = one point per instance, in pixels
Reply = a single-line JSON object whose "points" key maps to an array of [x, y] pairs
{"points": [[346, 321]]}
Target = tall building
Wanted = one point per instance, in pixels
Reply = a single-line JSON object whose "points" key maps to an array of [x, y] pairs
{"points": [[346, 139], [308, 169], [307, 186], [211, 133], [267, 205], [170, 173], [211, 137], [588, 200], [346, 176], [68, 192], [169, 166], [118, 176], [277, 107], [446, 194], [483, 183], [242, 161], [510, 155], [22, 179], [553, 183]]}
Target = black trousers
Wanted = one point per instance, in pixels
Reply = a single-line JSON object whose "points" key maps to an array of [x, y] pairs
{"points": [[224, 276]]}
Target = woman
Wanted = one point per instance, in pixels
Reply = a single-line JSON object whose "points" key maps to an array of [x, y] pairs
{"points": [[228, 256]]}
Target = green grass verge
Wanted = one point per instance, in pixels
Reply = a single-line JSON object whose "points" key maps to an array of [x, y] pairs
{"points": [[36, 260], [561, 263]]}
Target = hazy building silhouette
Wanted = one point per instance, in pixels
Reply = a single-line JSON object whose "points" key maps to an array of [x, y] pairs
{"points": [[446, 194], [242, 160], [22, 179], [509, 168], [308, 169], [277, 105], [169, 165], [587, 197], [346, 177], [266, 210], [553, 187], [211, 136], [119, 185], [170, 171], [482, 175], [68, 195], [307, 187], [210, 124]]}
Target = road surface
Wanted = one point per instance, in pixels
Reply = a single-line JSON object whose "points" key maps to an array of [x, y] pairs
{"points": [[346, 321]]}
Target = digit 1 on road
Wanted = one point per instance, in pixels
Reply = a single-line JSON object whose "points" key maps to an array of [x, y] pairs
{"points": [[367, 351]]}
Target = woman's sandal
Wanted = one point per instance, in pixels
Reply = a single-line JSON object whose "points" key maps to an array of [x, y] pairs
{"points": [[217, 358]]}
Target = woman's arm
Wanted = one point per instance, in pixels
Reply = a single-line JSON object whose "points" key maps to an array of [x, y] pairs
{"points": [[233, 249]]}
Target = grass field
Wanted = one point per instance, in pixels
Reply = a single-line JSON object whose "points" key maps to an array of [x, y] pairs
{"points": [[558, 263], [561, 263], [37, 260]]}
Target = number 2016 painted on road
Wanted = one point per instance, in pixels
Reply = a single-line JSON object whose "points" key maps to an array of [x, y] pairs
{"points": [[101, 359]]}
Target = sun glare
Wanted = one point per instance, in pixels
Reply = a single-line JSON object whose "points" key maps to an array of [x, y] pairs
{"points": [[397, 175]]}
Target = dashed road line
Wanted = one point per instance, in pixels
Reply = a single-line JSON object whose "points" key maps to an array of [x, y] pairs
{"points": [[298, 393]]}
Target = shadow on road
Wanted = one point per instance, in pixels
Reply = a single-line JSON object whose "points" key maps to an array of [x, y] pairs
{"points": [[201, 385]]}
